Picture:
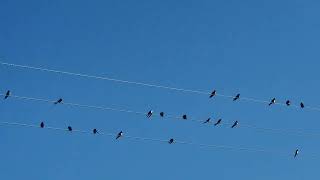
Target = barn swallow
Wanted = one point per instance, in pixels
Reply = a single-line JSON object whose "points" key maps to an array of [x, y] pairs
{"points": [[288, 103], [273, 101], [94, 131], [161, 114], [236, 97], [120, 134], [58, 101], [213, 93], [7, 94], [296, 153], [149, 114], [207, 121], [42, 124], [218, 122], [171, 141], [234, 124], [184, 116], [69, 128], [301, 105]]}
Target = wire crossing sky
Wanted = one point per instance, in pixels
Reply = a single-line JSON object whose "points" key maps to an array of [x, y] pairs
{"points": [[149, 85], [226, 124], [2, 123]]}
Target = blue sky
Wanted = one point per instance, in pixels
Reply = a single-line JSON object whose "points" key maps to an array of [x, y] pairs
{"points": [[261, 49]]}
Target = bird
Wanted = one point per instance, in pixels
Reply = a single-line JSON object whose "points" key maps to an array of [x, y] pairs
{"points": [[184, 116], [120, 134], [171, 141], [149, 114], [301, 105], [69, 128], [236, 97], [7, 94], [273, 101], [296, 153], [288, 102], [58, 101], [42, 124], [218, 122], [234, 124], [161, 114], [95, 131], [213, 93], [207, 121]]}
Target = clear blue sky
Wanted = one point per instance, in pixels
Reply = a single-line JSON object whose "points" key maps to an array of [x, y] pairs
{"points": [[262, 49]]}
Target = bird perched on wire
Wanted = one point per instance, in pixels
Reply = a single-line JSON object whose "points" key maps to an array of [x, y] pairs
{"points": [[161, 114], [234, 124], [94, 131], [69, 128], [273, 101], [59, 101], [184, 116], [288, 103], [149, 114], [42, 124], [8, 93], [207, 121], [296, 153], [171, 141], [218, 122], [119, 135], [301, 105], [213, 93], [236, 97]]}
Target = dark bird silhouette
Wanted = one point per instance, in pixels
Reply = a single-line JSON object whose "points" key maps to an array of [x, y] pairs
{"points": [[120, 134], [296, 153], [149, 114], [288, 103], [273, 101], [213, 93], [58, 101], [236, 97], [161, 114], [184, 116], [301, 105], [218, 122], [69, 128], [42, 124], [7, 94], [207, 121], [234, 124], [94, 131], [171, 141]]}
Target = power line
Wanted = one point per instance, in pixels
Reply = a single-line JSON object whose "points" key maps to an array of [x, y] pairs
{"points": [[226, 123], [147, 84], [138, 138]]}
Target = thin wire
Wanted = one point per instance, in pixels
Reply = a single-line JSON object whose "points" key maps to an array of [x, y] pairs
{"points": [[3, 123], [145, 84], [226, 124]]}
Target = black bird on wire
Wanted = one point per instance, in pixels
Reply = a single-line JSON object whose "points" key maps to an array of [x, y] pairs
{"points": [[161, 114], [207, 121], [7, 94], [296, 153], [184, 116], [59, 101], [69, 128], [234, 124], [288, 103], [149, 114], [273, 101], [119, 135], [94, 131], [171, 141], [218, 122], [213, 93], [42, 124], [301, 105], [236, 97]]}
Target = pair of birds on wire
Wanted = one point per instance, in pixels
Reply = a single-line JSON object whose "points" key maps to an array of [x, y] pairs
{"points": [[219, 121]]}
